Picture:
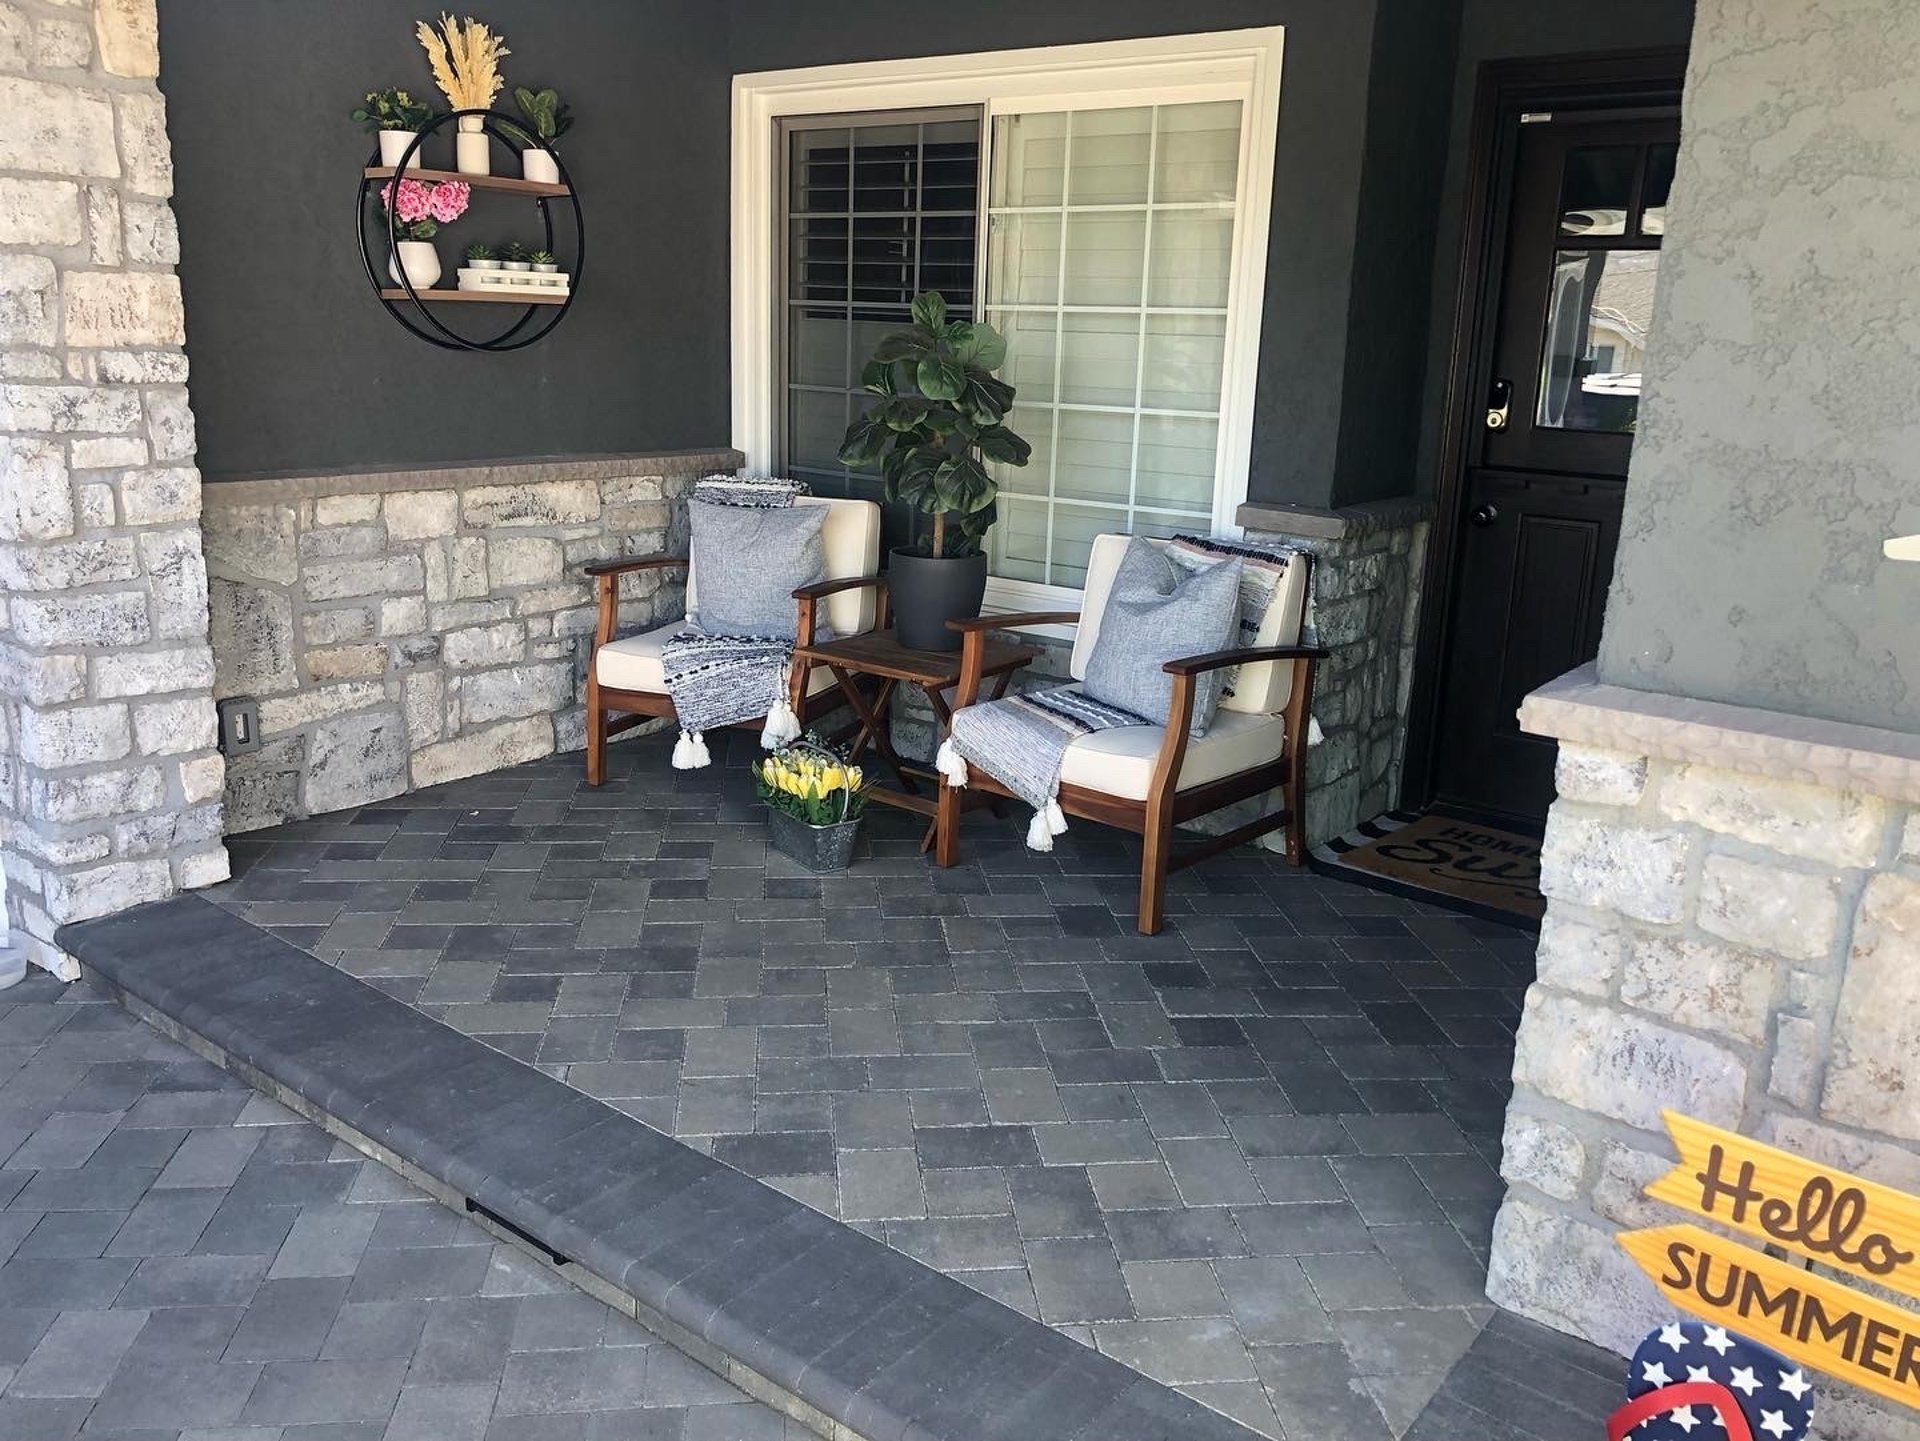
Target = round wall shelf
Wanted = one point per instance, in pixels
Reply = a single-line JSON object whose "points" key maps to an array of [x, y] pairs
{"points": [[415, 308]]}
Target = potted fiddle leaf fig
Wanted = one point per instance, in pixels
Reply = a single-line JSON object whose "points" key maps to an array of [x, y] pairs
{"points": [[939, 419]]}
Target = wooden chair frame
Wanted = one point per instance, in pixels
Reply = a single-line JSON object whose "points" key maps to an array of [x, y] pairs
{"points": [[611, 710], [1165, 806]]}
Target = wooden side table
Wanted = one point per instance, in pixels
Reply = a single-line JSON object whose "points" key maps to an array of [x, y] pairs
{"points": [[880, 656]]}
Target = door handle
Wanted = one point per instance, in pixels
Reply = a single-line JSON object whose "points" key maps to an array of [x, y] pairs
{"points": [[1485, 515], [1499, 398]]}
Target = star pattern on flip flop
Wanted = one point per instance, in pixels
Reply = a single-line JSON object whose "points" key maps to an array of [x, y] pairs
{"points": [[1743, 1374]]}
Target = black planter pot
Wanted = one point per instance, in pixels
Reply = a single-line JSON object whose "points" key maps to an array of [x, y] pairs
{"points": [[927, 593]]}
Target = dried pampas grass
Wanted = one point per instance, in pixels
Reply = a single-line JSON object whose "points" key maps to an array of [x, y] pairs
{"points": [[466, 63]]}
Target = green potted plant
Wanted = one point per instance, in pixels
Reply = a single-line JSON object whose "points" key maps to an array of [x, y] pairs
{"points": [[938, 419], [543, 260], [814, 801], [396, 117], [481, 256], [513, 256], [547, 120]]}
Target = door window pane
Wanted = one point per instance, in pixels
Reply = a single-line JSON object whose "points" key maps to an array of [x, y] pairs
{"points": [[1599, 316], [1109, 264], [1185, 363], [1196, 152], [1596, 191], [1659, 186], [1192, 258], [1110, 149]]}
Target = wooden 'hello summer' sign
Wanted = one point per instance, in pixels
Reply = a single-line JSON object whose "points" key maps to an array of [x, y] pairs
{"points": [[1869, 1230]]}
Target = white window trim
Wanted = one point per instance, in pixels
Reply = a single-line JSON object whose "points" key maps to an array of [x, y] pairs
{"points": [[1160, 69]]}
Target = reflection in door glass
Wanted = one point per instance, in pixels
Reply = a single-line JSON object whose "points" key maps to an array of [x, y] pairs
{"points": [[1599, 312], [1596, 191], [1660, 163]]}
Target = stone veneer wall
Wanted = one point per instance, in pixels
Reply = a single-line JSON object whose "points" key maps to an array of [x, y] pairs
{"points": [[403, 629], [109, 783], [1732, 931], [1368, 561]]}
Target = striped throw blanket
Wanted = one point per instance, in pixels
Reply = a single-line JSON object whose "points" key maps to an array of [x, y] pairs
{"points": [[718, 680], [1021, 740]]}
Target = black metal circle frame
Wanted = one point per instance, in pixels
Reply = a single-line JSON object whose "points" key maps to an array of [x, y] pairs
{"points": [[416, 310]]}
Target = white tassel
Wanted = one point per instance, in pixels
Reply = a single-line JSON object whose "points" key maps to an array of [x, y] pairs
{"points": [[951, 764], [683, 752], [1314, 734], [701, 760], [1039, 832], [782, 726], [1056, 819]]}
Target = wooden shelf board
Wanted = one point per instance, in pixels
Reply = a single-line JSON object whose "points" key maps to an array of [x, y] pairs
{"points": [[510, 184], [394, 293]]}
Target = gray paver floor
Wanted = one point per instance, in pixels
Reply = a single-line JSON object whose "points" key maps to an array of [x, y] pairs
{"points": [[186, 1261], [1253, 1156]]}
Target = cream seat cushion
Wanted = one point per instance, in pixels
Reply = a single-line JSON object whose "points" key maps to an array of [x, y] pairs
{"points": [[633, 663], [1120, 762]]}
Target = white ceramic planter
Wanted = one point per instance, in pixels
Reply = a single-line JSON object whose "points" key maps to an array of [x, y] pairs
{"points": [[473, 147], [539, 165], [419, 259], [393, 147]]}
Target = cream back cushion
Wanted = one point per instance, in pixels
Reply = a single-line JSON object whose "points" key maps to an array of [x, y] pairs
{"points": [[852, 539], [1260, 689]]}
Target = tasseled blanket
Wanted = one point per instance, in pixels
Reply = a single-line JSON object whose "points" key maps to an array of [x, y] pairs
{"points": [[718, 680], [1021, 741]]}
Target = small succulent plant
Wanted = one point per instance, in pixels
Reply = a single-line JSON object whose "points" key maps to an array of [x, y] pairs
{"points": [[541, 257], [479, 250]]}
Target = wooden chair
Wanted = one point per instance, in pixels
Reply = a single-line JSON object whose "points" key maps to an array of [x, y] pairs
{"points": [[1148, 779], [626, 683]]}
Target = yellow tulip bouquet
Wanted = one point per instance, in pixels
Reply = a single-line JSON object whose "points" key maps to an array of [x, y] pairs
{"points": [[809, 781]]}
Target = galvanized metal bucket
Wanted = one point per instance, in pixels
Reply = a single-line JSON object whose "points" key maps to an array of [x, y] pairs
{"points": [[818, 848]]}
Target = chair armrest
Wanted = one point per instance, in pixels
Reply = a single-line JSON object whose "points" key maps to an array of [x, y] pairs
{"points": [[834, 587], [1015, 621], [621, 565], [973, 645], [1250, 655], [606, 576]]}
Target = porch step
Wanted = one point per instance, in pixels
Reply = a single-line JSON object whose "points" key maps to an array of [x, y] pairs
{"points": [[852, 1338]]}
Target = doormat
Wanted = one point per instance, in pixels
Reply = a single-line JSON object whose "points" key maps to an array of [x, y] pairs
{"points": [[1463, 865]]}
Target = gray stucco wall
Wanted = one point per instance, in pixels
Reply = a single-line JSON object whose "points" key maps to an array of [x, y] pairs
{"points": [[295, 365], [1779, 444]]}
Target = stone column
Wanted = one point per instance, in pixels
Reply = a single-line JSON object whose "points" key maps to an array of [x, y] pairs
{"points": [[110, 784]]}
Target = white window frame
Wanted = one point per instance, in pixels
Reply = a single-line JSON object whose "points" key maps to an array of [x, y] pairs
{"points": [[1242, 64]]}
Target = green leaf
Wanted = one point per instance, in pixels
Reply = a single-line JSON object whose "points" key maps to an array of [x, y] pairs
{"points": [[930, 309], [941, 379], [998, 443], [988, 398], [877, 376], [864, 441], [901, 345], [981, 347]]}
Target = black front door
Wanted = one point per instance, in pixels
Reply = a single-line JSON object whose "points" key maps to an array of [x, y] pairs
{"points": [[1546, 463]]}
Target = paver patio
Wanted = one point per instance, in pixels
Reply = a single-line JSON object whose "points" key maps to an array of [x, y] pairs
{"points": [[180, 1258], [1256, 1149]]}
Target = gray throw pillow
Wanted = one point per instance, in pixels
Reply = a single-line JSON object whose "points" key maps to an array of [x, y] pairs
{"points": [[749, 560], [1157, 612]]}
